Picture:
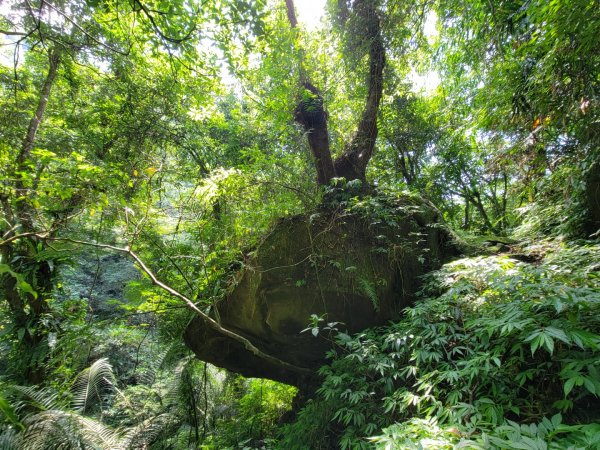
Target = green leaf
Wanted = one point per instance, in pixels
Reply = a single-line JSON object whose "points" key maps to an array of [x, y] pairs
{"points": [[10, 413], [21, 333], [568, 387], [556, 420], [558, 334], [26, 287], [548, 343], [590, 385]]}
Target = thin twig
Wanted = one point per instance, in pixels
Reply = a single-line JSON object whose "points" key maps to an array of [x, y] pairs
{"points": [[69, 19], [157, 29], [13, 33]]}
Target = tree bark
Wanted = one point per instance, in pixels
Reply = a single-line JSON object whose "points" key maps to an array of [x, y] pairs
{"points": [[24, 212], [475, 199], [406, 166], [291, 13], [592, 199], [310, 112], [36, 120], [467, 219], [26, 308], [352, 163]]}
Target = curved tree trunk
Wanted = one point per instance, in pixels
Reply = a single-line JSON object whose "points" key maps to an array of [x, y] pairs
{"points": [[24, 212]]}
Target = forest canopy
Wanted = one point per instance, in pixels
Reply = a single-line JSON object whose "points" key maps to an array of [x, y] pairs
{"points": [[148, 148]]}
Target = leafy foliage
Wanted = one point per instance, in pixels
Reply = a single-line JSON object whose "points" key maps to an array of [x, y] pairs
{"points": [[166, 127], [504, 340]]}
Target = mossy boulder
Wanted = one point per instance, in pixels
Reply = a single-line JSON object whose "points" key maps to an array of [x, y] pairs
{"points": [[358, 266]]}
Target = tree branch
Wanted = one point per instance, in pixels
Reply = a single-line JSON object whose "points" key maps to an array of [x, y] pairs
{"points": [[150, 17], [76, 25], [13, 33], [191, 305]]}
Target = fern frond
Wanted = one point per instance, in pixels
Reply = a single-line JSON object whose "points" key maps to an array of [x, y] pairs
{"points": [[368, 289], [33, 397], [66, 430], [148, 432], [92, 384], [153, 365], [9, 439]]}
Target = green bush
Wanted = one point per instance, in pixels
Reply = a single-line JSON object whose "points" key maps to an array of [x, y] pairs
{"points": [[493, 344], [254, 407]]}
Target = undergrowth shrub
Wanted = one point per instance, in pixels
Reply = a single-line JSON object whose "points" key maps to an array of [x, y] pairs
{"points": [[496, 350], [252, 408]]}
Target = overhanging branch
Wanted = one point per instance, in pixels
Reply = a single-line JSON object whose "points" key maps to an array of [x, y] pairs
{"points": [[190, 304]]}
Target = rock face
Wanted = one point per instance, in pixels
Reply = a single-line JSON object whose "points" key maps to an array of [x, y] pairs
{"points": [[359, 267], [101, 279]]}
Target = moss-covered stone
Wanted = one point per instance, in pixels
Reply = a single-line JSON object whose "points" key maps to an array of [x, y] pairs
{"points": [[359, 267]]}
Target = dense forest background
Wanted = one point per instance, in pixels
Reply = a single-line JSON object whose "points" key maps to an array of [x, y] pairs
{"points": [[148, 146]]}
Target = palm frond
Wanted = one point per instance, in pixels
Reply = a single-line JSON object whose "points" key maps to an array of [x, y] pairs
{"points": [[172, 395], [32, 397], [9, 438], [152, 366]]}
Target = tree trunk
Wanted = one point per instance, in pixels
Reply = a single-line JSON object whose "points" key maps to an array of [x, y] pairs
{"points": [[475, 199], [467, 218], [24, 211], [27, 308], [311, 114], [405, 167], [352, 163], [592, 198]]}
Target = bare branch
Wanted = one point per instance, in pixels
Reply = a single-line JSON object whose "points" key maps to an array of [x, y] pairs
{"points": [[22, 235]]}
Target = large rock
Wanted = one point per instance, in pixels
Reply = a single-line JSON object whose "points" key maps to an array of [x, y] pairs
{"points": [[358, 267]]}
